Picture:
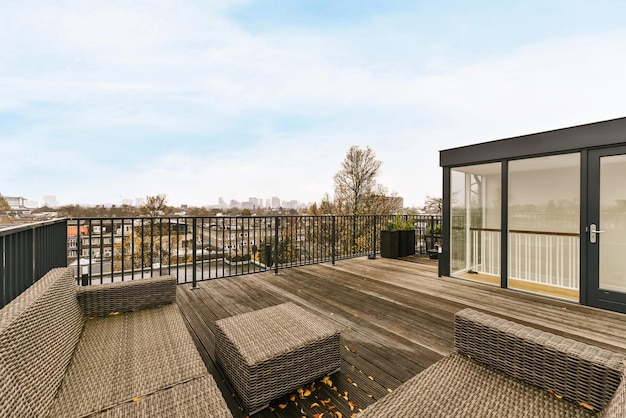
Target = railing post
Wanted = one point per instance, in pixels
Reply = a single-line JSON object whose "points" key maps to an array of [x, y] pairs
{"points": [[268, 256], [276, 254], [194, 247], [333, 240], [374, 227]]}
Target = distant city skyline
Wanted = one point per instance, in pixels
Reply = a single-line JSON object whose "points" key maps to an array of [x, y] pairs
{"points": [[252, 202], [105, 101]]}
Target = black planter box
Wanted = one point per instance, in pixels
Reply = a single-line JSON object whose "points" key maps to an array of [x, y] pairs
{"points": [[394, 244], [407, 243], [389, 243]]}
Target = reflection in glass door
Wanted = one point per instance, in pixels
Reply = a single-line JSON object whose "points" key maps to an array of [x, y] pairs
{"points": [[544, 225], [607, 229]]}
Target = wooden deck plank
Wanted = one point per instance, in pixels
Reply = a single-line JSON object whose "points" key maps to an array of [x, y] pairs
{"points": [[396, 318]]}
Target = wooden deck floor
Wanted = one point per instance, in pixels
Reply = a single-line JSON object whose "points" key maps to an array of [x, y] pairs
{"points": [[396, 318]]}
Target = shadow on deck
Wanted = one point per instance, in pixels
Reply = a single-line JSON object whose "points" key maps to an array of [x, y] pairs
{"points": [[396, 319]]}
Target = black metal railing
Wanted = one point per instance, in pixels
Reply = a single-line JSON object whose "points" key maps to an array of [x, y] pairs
{"points": [[27, 252], [104, 250], [202, 248]]}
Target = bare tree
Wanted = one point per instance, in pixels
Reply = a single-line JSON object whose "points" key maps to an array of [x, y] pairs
{"points": [[381, 201], [155, 206], [4, 205], [356, 180], [433, 205]]}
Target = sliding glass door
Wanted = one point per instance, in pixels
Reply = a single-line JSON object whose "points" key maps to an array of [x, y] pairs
{"points": [[475, 222], [544, 225]]}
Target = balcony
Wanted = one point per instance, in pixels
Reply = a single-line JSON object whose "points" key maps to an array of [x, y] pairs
{"points": [[396, 316]]}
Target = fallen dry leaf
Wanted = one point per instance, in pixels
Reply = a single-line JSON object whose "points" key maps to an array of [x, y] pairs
{"points": [[327, 380], [349, 380], [306, 393], [137, 399], [352, 405], [318, 415], [389, 390], [314, 405], [292, 398], [586, 405], [338, 414], [370, 378], [555, 394], [282, 405], [325, 401]]}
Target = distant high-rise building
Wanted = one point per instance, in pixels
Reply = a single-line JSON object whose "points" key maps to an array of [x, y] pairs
{"points": [[222, 203], [275, 202], [50, 201], [268, 203], [16, 202], [140, 201], [127, 202]]}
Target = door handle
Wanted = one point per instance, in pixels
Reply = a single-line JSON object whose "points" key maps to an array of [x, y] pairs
{"points": [[593, 233]]}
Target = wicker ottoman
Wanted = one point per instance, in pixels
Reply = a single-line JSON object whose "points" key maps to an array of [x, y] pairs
{"points": [[270, 352]]}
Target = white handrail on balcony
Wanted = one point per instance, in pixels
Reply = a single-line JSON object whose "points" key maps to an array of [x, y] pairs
{"points": [[549, 258], [486, 250]]}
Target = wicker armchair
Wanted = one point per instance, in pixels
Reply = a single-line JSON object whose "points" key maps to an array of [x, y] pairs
{"points": [[120, 349], [504, 369]]}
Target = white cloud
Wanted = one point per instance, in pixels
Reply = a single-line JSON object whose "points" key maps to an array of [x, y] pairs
{"points": [[118, 74]]}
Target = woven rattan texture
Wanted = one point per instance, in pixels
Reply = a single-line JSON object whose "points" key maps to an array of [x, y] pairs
{"points": [[100, 300], [12, 400], [577, 371], [197, 398], [270, 352], [129, 355], [461, 387], [38, 333], [617, 407]]}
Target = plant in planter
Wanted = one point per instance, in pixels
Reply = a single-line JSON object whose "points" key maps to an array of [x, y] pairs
{"points": [[398, 240]]}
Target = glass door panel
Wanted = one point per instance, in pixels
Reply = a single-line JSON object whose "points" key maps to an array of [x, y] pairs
{"points": [[544, 225], [475, 222], [607, 228]]}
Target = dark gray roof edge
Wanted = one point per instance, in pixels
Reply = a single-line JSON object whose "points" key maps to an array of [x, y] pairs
{"points": [[590, 135]]}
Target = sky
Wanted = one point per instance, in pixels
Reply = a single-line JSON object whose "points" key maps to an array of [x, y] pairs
{"points": [[102, 101]]}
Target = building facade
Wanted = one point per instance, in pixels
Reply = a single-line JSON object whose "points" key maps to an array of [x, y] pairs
{"points": [[542, 213]]}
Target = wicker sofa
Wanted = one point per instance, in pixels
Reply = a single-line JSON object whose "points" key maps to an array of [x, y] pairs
{"points": [[112, 350], [504, 369]]}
